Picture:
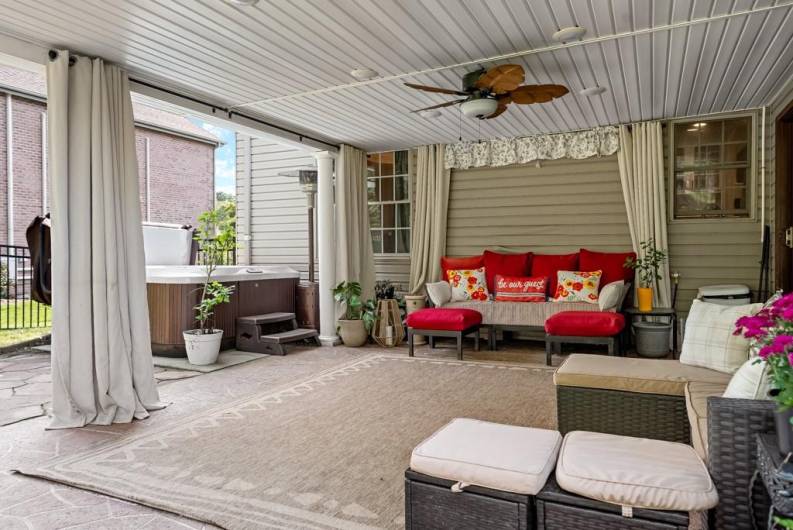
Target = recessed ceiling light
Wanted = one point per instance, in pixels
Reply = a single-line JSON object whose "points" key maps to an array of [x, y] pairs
{"points": [[434, 113], [364, 74], [592, 91], [242, 3], [568, 34]]}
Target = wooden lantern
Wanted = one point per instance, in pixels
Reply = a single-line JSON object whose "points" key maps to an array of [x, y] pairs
{"points": [[388, 330]]}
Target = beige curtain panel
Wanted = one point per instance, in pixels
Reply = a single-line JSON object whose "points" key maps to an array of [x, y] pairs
{"points": [[428, 241], [102, 368], [354, 254], [641, 164]]}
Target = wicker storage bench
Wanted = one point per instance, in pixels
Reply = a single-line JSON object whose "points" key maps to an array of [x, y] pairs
{"points": [[430, 503], [560, 510]]}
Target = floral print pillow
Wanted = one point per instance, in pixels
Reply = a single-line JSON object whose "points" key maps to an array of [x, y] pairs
{"points": [[577, 286], [468, 284]]}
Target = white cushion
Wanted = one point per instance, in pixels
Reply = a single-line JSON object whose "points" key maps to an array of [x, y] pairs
{"points": [[635, 472], [611, 295], [440, 293], [750, 381], [491, 455], [709, 340]]}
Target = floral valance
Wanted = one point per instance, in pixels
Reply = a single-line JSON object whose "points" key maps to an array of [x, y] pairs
{"points": [[600, 141]]}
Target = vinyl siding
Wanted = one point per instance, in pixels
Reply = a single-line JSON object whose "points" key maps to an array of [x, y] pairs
{"points": [[557, 208]]}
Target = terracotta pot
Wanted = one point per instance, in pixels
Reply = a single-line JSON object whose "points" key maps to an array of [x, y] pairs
{"points": [[784, 430], [353, 332], [202, 348], [645, 298]]}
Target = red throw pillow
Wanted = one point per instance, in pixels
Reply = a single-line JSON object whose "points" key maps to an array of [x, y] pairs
{"points": [[608, 262], [549, 264], [464, 263], [505, 265], [520, 288]]}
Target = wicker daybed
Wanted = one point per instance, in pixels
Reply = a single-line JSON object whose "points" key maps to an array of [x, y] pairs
{"points": [[667, 400]]}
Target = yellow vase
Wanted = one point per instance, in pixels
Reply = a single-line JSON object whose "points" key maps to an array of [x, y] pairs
{"points": [[645, 298]]}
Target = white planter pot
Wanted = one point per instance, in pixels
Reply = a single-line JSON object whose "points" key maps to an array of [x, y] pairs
{"points": [[202, 349]]}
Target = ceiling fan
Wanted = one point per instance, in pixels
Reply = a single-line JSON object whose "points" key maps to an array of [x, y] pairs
{"points": [[488, 92]]}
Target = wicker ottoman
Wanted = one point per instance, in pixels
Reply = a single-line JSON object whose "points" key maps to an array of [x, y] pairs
{"points": [[619, 482], [473, 474]]}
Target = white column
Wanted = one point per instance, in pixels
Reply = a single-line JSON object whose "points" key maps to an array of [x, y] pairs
{"points": [[326, 238], [10, 167]]}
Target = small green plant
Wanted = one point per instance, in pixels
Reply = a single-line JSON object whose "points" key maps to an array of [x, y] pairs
{"points": [[3, 279], [216, 239], [647, 266], [349, 295]]}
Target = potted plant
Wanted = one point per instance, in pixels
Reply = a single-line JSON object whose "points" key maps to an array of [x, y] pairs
{"points": [[772, 330], [216, 238], [647, 267], [358, 314]]}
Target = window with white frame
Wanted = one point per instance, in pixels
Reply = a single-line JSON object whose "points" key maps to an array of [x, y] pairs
{"points": [[388, 186], [712, 168]]}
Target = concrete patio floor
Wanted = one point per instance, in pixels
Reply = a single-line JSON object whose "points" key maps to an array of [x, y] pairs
{"points": [[27, 503]]}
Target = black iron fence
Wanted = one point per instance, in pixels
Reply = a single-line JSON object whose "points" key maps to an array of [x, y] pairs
{"points": [[17, 310], [229, 257]]}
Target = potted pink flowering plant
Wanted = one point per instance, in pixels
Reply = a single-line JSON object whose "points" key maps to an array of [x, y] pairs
{"points": [[772, 329]]}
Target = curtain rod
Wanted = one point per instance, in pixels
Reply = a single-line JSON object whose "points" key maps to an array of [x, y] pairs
{"points": [[53, 54]]}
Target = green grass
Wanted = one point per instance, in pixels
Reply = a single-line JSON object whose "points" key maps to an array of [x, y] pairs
{"points": [[12, 314]]}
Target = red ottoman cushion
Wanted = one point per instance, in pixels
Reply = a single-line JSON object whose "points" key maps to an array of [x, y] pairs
{"points": [[444, 319], [585, 324]]}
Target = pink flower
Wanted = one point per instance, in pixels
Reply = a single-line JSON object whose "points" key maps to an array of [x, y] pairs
{"points": [[765, 352], [782, 343]]}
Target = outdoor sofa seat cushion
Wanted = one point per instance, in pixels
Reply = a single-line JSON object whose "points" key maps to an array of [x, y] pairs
{"points": [[500, 457], [585, 324], [697, 394], [647, 376], [528, 314], [635, 472], [444, 319]]}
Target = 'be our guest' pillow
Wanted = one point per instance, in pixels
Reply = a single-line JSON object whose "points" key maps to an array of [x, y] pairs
{"points": [[520, 288], [468, 284]]}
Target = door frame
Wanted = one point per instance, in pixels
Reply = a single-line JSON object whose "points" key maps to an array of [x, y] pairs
{"points": [[783, 197]]}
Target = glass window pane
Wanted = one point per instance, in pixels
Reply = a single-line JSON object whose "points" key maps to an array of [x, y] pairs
{"points": [[686, 135], [386, 163], [387, 189], [377, 241], [400, 188], [403, 241], [375, 216], [403, 215], [737, 130], [373, 164], [401, 163], [373, 189], [736, 152], [389, 241], [389, 216], [710, 132], [734, 199]]}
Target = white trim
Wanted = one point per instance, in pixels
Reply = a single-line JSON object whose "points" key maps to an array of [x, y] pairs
{"points": [[44, 163], [762, 176], [10, 168]]}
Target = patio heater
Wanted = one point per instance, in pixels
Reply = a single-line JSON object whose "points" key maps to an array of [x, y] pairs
{"points": [[307, 296]]}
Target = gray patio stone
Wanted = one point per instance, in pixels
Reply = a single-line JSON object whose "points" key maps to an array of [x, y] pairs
{"points": [[29, 389], [15, 376], [14, 415]]}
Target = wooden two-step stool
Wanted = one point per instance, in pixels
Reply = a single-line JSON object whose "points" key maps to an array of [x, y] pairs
{"points": [[271, 333]]}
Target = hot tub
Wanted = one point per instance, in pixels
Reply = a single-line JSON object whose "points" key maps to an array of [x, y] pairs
{"points": [[173, 291]]}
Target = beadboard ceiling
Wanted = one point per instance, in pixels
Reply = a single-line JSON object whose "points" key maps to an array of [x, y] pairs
{"points": [[289, 60]]}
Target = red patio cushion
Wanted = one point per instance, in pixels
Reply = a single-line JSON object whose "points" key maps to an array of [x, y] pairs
{"points": [[585, 324], [549, 264], [497, 263], [444, 319], [608, 262], [460, 264]]}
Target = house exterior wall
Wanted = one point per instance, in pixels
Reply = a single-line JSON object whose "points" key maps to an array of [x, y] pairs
{"points": [[182, 171]]}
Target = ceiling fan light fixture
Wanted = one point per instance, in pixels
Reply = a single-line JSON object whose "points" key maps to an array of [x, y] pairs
{"points": [[592, 91], [479, 108], [568, 34], [364, 74], [242, 3]]}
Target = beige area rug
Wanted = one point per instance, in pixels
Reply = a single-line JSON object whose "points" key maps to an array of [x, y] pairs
{"points": [[225, 359], [328, 451]]}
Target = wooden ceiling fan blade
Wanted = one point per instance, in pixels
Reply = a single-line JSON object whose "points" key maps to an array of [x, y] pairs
{"points": [[529, 94], [502, 106], [447, 104], [435, 89], [501, 79]]}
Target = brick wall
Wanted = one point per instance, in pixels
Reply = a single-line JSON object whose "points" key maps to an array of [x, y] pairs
{"points": [[182, 171]]}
